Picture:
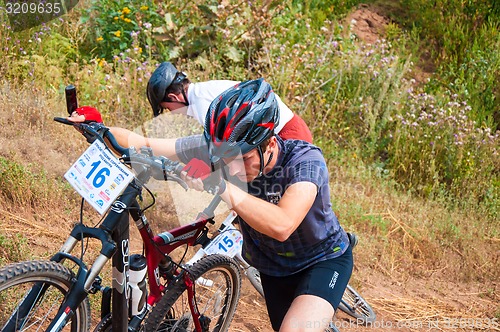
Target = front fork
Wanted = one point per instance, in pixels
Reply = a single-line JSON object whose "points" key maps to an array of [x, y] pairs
{"points": [[84, 281]]}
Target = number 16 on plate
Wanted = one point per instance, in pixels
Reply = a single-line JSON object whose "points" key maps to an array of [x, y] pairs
{"points": [[99, 177]]}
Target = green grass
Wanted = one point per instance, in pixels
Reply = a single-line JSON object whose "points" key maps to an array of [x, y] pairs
{"points": [[13, 248]]}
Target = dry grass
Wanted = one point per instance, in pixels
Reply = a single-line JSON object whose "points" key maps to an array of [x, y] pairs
{"points": [[402, 235], [433, 313], [406, 242]]}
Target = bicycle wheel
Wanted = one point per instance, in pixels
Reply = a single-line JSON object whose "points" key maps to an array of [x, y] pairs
{"points": [[44, 285], [254, 276], [216, 298], [104, 325], [356, 306]]}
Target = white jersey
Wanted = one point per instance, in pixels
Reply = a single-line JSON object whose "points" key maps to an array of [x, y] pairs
{"points": [[200, 96]]}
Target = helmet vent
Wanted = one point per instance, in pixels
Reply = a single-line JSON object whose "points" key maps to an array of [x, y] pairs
{"points": [[242, 118], [221, 125]]}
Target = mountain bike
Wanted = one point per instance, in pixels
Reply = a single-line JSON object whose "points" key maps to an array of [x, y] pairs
{"points": [[228, 241], [53, 295]]}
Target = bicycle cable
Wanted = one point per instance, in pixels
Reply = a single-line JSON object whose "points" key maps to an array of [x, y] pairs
{"points": [[83, 247]]}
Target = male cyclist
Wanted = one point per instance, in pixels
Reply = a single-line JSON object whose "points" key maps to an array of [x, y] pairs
{"points": [[170, 89], [291, 235]]}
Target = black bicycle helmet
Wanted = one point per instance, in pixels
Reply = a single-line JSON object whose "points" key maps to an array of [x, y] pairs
{"points": [[160, 80], [240, 119]]}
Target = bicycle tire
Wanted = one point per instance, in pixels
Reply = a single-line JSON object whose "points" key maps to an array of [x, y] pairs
{"points": [[216, 302], [18, 279], [104, 324], [356, 306], [253, 276]]}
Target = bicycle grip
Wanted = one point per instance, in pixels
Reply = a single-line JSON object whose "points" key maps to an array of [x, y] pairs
{"points": [[65, 121], [71, 101]]}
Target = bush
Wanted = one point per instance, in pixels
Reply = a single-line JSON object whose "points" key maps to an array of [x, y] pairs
{"points": [[435, 147], [464, 39], [117, 26]]}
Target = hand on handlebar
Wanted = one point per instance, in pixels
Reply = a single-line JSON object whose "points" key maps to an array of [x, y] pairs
{"points": [[86, 114], [199, 176], [91, 116]]}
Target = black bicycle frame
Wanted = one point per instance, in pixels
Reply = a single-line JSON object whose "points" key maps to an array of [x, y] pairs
{"points": [[114, 236], [113, 233]]}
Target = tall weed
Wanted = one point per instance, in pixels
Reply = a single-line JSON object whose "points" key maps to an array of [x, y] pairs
{"points": [[25, 188], [435, 146], [464, 39]]}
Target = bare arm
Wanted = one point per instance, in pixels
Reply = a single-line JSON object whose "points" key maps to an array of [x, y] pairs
{"points": [[277, 221], [161, 146], [126, 138]]}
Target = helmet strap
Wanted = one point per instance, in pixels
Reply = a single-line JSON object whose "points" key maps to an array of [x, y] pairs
{"points": [[186, 102], [261, 155]]}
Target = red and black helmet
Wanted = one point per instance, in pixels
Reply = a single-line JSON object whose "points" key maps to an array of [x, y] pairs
{"points": [[241, 118]]}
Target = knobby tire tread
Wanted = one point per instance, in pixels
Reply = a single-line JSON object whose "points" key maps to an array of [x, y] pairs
{"points": [[202, 266], [12, 274]]}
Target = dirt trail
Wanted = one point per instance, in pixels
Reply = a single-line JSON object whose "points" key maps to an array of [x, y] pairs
{"points": [[401, 305]]}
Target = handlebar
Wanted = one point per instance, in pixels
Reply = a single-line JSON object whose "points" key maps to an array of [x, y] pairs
{"points": [[159, 167]]}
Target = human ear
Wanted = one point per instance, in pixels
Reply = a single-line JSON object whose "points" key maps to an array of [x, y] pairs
{"points": [[173, 97], [272, 143]]}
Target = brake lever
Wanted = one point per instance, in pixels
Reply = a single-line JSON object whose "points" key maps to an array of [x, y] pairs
{"points": [[88, 128], [178, 179], [85, 127]]}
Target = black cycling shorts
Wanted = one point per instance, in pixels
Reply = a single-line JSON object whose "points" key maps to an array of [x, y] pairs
{"points": [[327, 279]]}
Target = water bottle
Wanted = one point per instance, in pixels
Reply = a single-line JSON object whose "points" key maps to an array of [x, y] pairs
{"points": [[137, 284]]}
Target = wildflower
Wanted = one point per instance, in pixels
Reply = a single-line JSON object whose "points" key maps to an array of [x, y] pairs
{"points": [[144, 8], [116, 18], [102, 62], [127, 20], [147, 25], [117, 33], [126, 10], [99, 39]]}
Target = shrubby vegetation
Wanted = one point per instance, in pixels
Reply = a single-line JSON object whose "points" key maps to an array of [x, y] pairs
{"points": [[463, 38], [437, 139]]}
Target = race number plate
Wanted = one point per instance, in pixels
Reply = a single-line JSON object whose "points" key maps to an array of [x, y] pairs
{"points": [[227, 243], [99, 177]]}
